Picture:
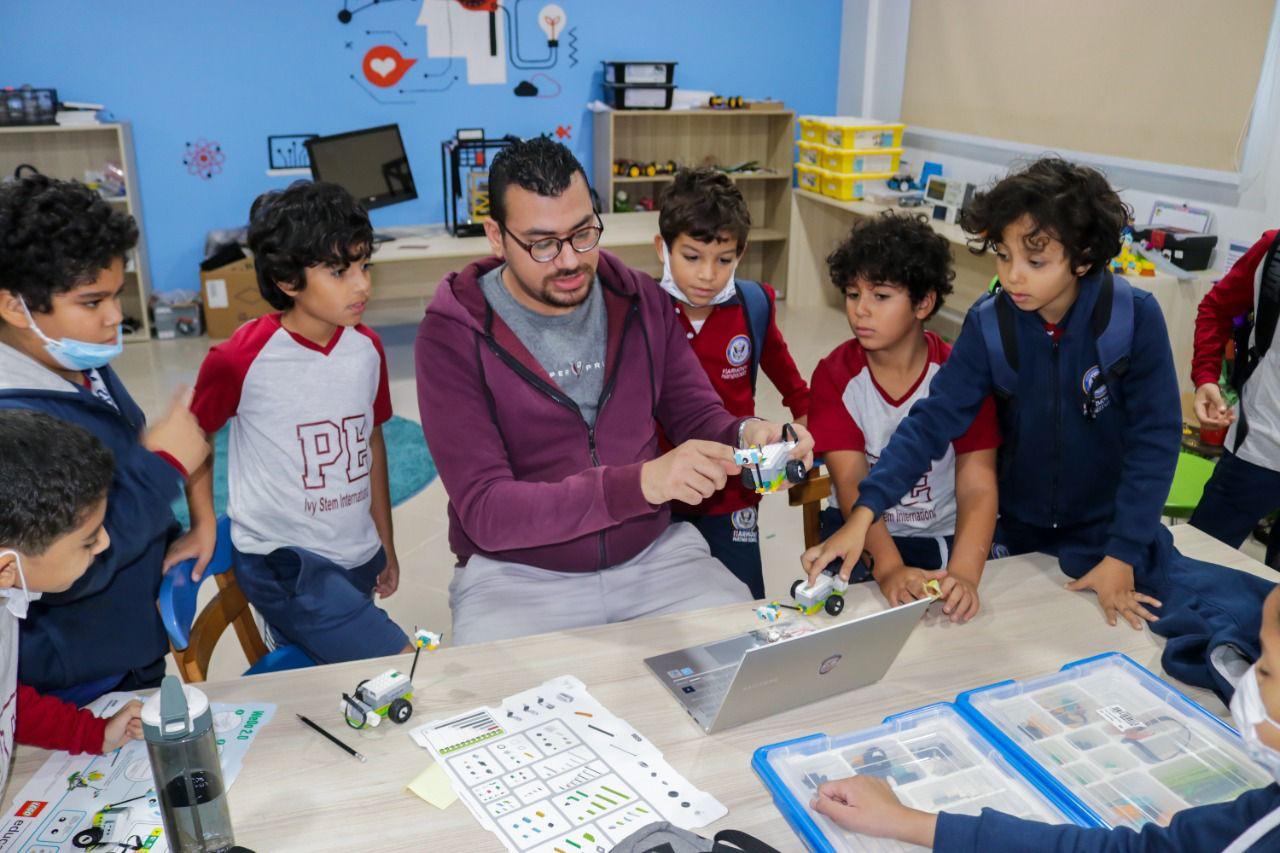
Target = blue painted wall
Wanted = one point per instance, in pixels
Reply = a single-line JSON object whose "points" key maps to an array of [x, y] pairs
{"points": [[236, 71]]}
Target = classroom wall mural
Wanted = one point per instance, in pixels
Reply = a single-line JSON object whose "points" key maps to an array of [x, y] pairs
{"points": [[222, 96]]}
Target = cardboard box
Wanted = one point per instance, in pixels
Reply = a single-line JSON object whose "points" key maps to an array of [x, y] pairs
{"points": [[231, 298]]}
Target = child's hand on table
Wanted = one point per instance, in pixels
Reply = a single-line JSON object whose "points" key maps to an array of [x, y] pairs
{"points": [[1112, 580], [125, 725], [959, 597], [867, 805], [902, 584]]}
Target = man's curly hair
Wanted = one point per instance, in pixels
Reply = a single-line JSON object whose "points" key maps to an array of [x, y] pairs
{"points": [[897, 249], [57, 235], [53, 473], [1073, 204]]}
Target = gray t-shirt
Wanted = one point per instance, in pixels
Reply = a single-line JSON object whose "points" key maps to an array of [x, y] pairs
{"points": [[570, 347]]}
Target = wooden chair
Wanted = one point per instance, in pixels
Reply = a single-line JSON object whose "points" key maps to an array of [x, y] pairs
{"points": [[192, 637], [809, 496]]}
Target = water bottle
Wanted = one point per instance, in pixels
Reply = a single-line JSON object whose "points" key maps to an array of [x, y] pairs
{"points": [[178, 727]]}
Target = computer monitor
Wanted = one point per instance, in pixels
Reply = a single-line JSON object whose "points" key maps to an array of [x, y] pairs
{"points": [[370, 164]]}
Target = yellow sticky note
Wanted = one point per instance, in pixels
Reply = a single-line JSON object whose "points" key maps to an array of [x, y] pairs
{"points": [[433, 785]]}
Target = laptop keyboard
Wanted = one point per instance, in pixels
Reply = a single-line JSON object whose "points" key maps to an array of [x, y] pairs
{"points": [[709, 690]]}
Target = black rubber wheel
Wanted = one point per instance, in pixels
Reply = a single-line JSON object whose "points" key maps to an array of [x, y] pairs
{"points": [[834, 605], [400, 710], [796, 586], [795, 470], [87, 838]]}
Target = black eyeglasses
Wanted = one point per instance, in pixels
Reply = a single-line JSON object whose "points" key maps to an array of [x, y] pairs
{"points": [[547, 249]]}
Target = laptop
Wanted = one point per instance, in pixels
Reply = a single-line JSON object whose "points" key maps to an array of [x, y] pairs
{"points": [[744, 678]]}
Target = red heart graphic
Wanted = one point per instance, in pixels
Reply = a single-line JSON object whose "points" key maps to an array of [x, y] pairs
{"points": [[384, 66]]}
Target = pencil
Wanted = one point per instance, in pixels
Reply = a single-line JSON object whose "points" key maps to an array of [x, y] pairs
{"points": [[349, 750]]}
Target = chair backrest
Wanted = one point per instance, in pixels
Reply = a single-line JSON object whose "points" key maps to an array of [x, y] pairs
{"points": [[193, 637], [809, 496]]}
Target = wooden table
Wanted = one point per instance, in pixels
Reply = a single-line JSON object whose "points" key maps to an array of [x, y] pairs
{"points": [[299, 792], [819, 223]]}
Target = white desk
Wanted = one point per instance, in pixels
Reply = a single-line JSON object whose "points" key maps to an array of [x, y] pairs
{"points": [[819, 223], [299, 792]]}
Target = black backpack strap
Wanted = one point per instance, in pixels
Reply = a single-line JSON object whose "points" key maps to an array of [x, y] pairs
{"points": [[996, 319], [759, 311], [1267, 311], [737, 841], [1112, 324]]}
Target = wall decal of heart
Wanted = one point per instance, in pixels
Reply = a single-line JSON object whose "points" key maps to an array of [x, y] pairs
{"points": [[384, 65]]}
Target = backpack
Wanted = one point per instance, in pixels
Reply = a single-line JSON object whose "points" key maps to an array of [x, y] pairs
{"points": [[759, 312], [1111, 321], [1253, 336]]}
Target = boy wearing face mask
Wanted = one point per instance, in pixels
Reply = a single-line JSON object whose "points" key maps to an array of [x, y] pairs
{"points": [[867, 804], [703, 228], [62, 270], [54, 479]]}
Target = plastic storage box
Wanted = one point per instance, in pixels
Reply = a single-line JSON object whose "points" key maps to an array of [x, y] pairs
{"points": [[809, 177], [647, 73], [811, 128], [638, 97], [809, 153], [856, 134], [934, 759], [1125, 745], [849, 187], [873, 161]]}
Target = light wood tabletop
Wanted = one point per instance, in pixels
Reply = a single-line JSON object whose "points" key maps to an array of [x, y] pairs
{"points": [[299, 792]]}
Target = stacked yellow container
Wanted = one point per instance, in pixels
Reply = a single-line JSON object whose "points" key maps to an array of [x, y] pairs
{"points": [[841, 156]]}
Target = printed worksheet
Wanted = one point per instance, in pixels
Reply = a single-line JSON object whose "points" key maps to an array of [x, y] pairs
{"points": [[553, 769], [108, 802]]}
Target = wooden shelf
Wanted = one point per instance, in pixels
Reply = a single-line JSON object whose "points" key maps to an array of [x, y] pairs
{"points": [[67, 152], [726, 137]]}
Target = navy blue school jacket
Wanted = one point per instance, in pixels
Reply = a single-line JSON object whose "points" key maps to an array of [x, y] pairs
{"points": [[106, 624], [1202, 828], [1058, 468]]}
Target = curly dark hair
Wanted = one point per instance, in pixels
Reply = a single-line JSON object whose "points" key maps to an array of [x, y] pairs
{"points": [[897, 249], [55, 236], [301, 226], [52, 474], [1071, 203], [539, 165], [706, 205]]}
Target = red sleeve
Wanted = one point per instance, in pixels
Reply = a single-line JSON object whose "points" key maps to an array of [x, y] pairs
{"points": [[830, 423], [221, 378], [983, 433], [780, 367], [50, 723], [1229, 298], [382, 397]]}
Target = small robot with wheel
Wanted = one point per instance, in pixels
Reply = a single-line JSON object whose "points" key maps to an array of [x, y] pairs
{"points": [[825, 593], [769, 468], [388, 695], [112, 822]]}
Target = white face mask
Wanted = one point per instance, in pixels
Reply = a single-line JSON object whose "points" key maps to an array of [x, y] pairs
{"points": [[18, 599], [669, 284], [1248, 712]]}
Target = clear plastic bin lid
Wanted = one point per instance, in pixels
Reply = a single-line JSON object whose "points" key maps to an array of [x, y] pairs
{"points": [[932, 757], [1129, 746]]}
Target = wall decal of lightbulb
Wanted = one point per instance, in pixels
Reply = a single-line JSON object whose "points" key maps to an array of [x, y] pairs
{"points": [[551, 18]]}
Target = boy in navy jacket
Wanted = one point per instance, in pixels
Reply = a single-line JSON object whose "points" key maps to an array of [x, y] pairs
{"points": [[62, 268], [868, 805], [1090, 446]]}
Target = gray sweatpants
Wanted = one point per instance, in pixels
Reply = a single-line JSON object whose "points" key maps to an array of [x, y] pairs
{"points": [[494, 600]]}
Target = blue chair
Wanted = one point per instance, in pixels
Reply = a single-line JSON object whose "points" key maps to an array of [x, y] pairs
{"points": [[192, 638]]}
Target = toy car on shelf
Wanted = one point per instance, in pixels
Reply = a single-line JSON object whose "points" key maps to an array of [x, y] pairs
{"points": [[111, 822], [637, 169], [388, 695], [766, 469], [826, 593]]}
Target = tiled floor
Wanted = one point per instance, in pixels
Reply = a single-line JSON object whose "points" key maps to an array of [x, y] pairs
{"points": [[152, 372]]}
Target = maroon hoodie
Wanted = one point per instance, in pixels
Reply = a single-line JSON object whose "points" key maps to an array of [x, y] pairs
{"points": [[528, 481]]}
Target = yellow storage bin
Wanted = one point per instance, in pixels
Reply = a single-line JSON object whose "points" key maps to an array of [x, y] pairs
{"points": [[809, 177], [850, 187], [812, 128], [856, 134], [810, 153], [867, 161]]}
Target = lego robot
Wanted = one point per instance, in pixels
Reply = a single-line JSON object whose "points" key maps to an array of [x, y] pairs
{"points": [[390, 694], [111, 823], [825, 593], [768, 469]]}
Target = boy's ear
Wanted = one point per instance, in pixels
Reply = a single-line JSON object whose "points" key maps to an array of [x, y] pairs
{"points": [[8, 569], [924, 307], [287, 287], [658, 244], [493, 231], [11, 312]]}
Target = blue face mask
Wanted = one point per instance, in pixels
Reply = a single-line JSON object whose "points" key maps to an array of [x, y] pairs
{"points": [[77, 355]]}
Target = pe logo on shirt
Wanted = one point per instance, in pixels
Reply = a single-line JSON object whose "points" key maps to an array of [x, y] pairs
{"points": [[739, 350]]}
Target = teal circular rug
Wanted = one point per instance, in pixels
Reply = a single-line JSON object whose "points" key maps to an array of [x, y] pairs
{"points": [[410, 468]]}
